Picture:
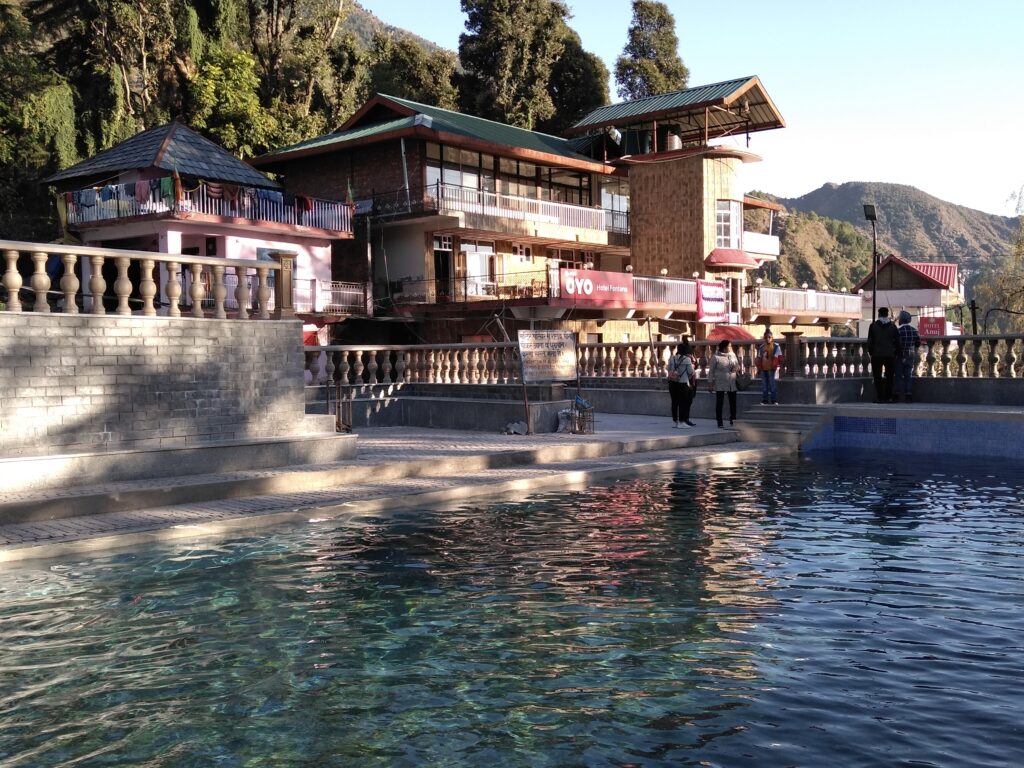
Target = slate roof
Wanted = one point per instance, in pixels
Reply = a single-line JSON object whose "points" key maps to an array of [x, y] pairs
{"points": [[170, 147], [406, 114]]}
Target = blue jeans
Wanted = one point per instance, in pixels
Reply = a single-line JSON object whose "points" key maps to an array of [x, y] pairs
{"points": [[769, 390], [904, 375]]}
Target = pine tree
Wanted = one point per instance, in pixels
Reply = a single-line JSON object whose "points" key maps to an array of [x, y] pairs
{"points": [[650, 62], [577, 86], [508, 51]]}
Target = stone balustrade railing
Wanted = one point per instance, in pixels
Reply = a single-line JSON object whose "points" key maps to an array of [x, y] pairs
{"points": [[45, 277], [806, 358]]}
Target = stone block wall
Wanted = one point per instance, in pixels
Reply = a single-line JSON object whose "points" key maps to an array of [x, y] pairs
{"points": [[85, 383]]}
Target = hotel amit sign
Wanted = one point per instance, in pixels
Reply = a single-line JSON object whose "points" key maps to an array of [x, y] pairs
{"points": [[597, 289], [931, 326]]}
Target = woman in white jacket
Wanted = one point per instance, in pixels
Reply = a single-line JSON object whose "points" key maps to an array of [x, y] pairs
{"points": [[722, 380]]}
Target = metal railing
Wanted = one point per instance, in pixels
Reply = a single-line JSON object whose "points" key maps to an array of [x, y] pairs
{"points": [[330, 297], [803, 301], [441, 198], [120, 201]]}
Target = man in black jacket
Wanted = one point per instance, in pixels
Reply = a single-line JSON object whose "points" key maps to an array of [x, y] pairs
{"points": [[883, 347]]}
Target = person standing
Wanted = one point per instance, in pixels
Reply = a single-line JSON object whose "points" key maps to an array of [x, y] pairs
{"points": [[681, 376], [910, 340], [883, 347], [722, 380], [768, 363]]}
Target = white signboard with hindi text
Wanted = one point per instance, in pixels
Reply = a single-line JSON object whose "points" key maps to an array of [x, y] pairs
{"points": [[547, 355]]}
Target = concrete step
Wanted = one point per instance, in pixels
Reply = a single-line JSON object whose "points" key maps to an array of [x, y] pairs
{"points": [[126, 496], [785, 424]]}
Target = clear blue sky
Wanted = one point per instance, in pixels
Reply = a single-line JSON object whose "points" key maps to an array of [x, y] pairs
{"points": [[928, 93]]}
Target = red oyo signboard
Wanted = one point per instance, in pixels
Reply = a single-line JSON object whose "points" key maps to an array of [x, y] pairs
{"points": [[597, 289], [931, 326]]}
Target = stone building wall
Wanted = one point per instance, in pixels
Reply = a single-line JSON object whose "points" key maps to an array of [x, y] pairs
{"points": [[85, 383]]}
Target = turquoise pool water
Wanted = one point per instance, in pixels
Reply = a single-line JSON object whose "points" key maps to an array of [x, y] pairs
{"points": [[862, 612]]}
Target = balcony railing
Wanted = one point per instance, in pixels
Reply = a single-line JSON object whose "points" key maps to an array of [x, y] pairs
{"points": [[447, 198], [331, 298], [664, 290], [805, 302], [123, 201], [760, 243]]}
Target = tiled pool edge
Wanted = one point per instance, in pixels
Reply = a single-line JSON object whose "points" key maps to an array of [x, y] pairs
{"points": [[920, 430]]}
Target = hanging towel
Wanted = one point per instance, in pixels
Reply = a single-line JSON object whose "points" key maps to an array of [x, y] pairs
{"points": [[142, 189], [167, 189], [214, 191], [88, 197], [177, 188], [106, 193], [231, 193], [307, 203]]}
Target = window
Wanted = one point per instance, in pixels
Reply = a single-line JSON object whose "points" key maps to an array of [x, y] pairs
{"points": [[524, 252], [728, 223]]}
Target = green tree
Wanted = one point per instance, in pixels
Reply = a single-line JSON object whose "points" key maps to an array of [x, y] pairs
{"points": [[577, 86], [650, 62], [402, 67], [37, 130], [225, 104], [508, 51]]}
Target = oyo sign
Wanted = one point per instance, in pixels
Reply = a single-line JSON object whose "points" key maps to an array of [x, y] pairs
{"points": [[599, 289], [578, 286]]}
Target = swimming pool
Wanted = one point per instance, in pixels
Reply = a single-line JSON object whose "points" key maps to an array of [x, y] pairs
{"points": [[865, 611]]}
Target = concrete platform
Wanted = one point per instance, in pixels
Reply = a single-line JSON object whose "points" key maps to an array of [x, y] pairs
{"points": [[394, 467]]}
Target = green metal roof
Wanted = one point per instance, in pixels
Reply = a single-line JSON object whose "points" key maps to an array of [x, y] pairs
{"points": [[442, 120], [746, 106], [342, 137]]}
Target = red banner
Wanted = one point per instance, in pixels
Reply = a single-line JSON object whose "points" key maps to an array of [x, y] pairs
{"points": [[598, 289], [711, 301]]}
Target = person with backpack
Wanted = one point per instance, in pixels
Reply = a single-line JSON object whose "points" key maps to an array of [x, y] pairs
{"points": [[682, 380], [768, 363]]}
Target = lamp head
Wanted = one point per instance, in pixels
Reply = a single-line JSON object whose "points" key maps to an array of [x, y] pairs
{"points": [[869, 213]]}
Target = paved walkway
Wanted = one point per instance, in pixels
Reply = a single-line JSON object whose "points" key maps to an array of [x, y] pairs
{"points": [[395, 467]]}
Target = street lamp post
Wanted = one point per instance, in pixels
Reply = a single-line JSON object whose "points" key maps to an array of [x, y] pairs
{"points": [[870, 215]]}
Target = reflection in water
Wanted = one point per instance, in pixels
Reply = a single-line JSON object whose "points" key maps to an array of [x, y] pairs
{"points": [[770, 614]]}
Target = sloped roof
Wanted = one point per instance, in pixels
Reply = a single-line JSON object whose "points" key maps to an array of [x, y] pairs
{"points": [[938, 275], [384, 115], [170, 147], [943, 273], [719, 109]]}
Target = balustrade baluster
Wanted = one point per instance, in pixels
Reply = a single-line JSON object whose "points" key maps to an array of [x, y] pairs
{"points": [[993, 359], [930, 358], [97, 286], [945, 359], [975, 358], [1012, 358], [401, 364], [173, 288], [344, 369], [40, 282], [241, 293], [312, 365], [147, 286], [220, 292], [12, 281], [330, 367], [263, 292], [196, 291], [359, 366], [380, 366], [123, 285], [69, 283]]}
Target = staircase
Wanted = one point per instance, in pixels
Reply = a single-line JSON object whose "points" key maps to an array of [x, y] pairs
{"points": [[786, 424]]}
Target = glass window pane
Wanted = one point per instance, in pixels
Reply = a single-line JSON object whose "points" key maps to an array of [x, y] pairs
{"points": [[451, 155], [433, 150]]}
